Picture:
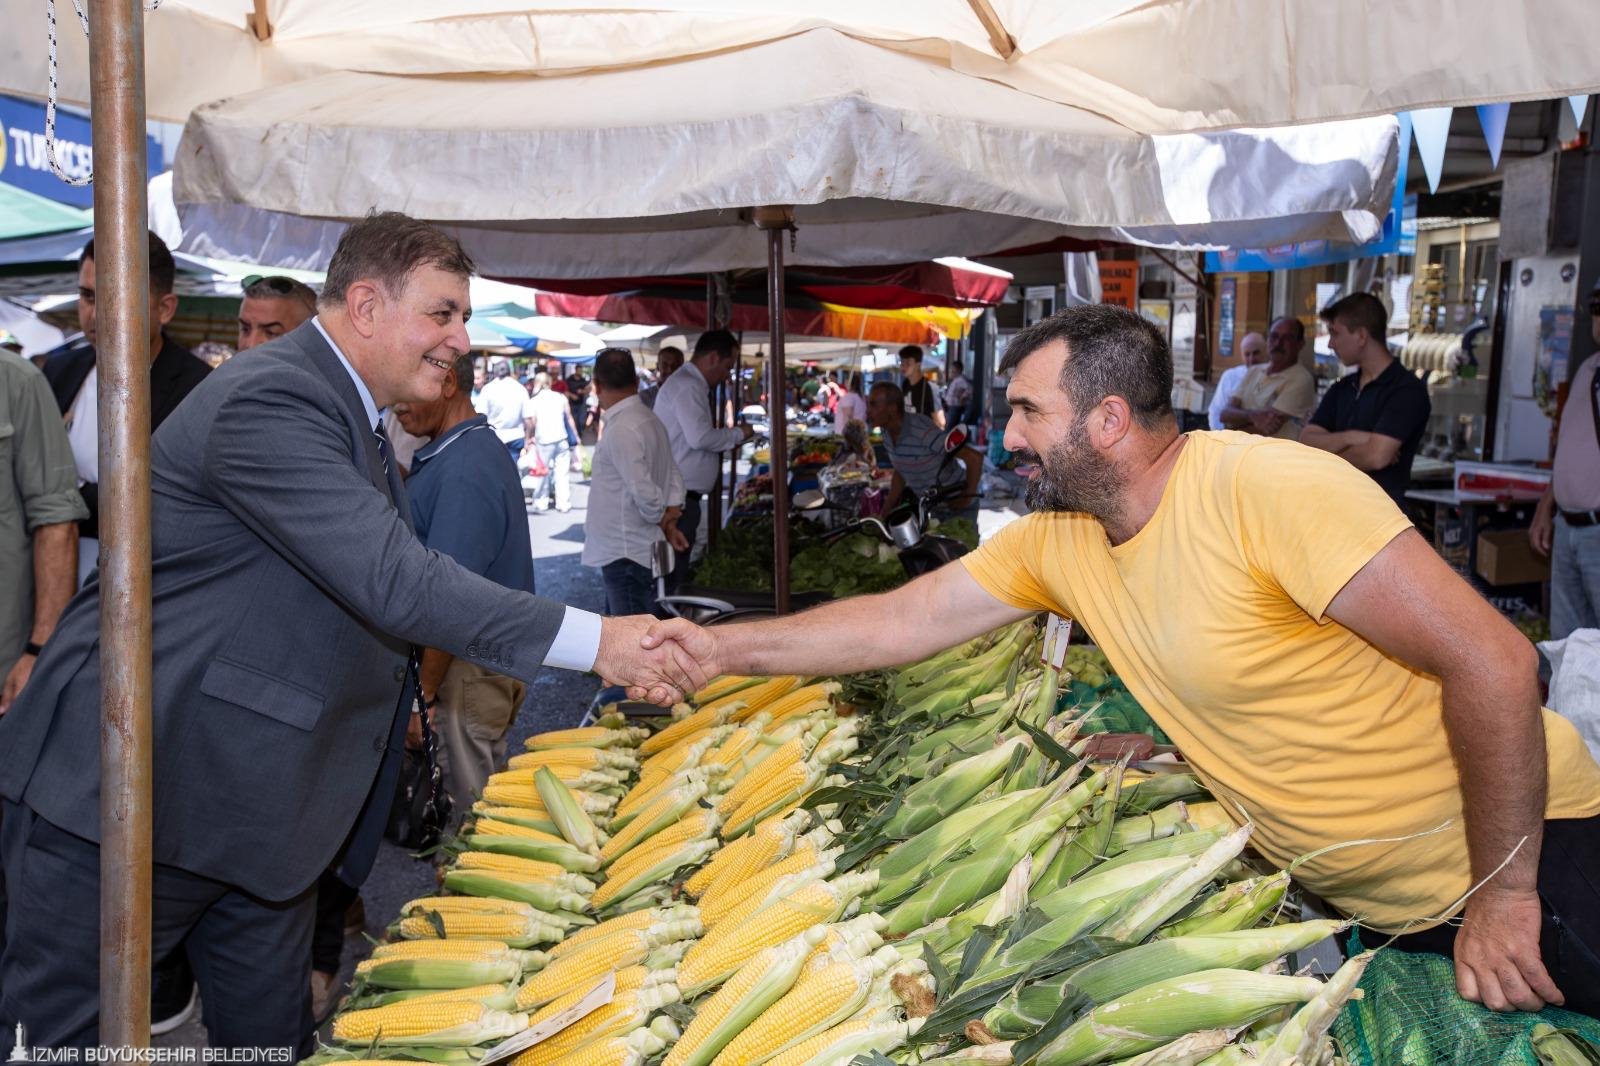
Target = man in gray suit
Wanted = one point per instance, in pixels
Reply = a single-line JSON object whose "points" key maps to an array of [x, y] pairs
{"points": [[288, 593]]}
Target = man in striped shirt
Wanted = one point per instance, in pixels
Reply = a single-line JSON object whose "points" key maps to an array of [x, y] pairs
{"points": [[916, 447]]}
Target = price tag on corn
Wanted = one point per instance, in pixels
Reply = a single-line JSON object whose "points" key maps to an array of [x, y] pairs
{"points": [[598, 997], [1057, 634]]}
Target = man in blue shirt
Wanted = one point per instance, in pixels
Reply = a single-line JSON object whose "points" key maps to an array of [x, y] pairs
{"points": [[466, 502], [916, 447]]}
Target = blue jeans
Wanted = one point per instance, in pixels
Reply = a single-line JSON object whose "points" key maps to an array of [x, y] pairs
{"points": [[630, 588], [1574, 579]]}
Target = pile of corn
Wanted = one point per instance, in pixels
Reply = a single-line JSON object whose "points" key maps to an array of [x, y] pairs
{"points": [[780, 877]]}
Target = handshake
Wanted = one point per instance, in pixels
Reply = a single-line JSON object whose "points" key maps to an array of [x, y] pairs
{"points": [[660, 662]]}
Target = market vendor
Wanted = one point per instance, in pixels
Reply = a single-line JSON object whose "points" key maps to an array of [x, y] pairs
{"points": [[916, 447], [1323, 670]]}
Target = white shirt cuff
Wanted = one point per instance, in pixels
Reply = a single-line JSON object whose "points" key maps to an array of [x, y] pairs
{"points": [[577, 642]]}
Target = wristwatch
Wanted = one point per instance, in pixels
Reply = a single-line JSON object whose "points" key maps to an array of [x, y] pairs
{"points": [[31, 648]]}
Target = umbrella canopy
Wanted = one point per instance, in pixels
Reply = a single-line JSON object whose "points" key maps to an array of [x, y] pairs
{"points": [[888, 157], [1149, 65]]}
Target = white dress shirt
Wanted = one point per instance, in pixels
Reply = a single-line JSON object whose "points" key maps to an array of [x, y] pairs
{"points": [[502, 400], [549, 410], [577, 642], [1227, 385], [634, 481], [684, 407]]}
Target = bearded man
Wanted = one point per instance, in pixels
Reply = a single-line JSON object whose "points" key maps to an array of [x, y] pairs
{"points": [[1324, 672]]}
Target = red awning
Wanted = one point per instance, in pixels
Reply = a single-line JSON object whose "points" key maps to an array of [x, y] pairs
{"points": [[690, 312]]}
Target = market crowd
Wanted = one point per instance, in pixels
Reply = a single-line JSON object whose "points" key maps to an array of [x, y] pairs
{"points": [[343, 573]]}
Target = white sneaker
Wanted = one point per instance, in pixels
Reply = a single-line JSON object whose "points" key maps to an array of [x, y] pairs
{"points": [[541, 507]]}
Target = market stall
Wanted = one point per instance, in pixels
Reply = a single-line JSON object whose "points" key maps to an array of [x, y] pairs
{"points": [[982, 858]]}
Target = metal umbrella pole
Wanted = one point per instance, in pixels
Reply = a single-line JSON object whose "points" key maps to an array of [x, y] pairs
{"points": [[777, 221], [122, 355]]}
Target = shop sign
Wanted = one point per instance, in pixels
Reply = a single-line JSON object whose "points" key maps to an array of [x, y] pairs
{"points": [[1119, 283], [1227, 304], [25, 164]]}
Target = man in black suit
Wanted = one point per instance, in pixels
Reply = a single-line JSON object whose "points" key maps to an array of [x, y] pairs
{"points": [[174, 372]]}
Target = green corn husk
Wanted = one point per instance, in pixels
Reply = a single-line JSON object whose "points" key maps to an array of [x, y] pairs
{"points": [[931, 799], [961, 883], [1260, 896], [1180, 844], [1301, 1037], [1088, 847], [1162, 1012], [905, 866], [1140, 829], [1131, 880], [435, 974], [1171, 897], [504, 999], [1105, 979], [546, 896], [1188, 1050], [691, 854], [562, 853], [1562, 1047], [574, 823], [1160, 790]]}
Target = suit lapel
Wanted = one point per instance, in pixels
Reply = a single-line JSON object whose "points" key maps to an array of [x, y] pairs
{"points": [[325, 360]]}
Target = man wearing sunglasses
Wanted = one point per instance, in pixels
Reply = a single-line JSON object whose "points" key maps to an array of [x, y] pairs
{"points": [[1566, 525], [273, 305]]}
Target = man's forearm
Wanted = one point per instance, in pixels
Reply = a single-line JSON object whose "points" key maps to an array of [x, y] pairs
{"points": [[55, 576], [1236, 417], [1496, 728]]}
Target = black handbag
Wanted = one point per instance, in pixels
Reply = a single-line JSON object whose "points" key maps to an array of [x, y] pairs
{"points": [[421, 808]]}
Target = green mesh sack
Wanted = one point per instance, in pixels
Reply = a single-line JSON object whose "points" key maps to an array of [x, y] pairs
{"points": [[1110, 708], [1410, 1015]]}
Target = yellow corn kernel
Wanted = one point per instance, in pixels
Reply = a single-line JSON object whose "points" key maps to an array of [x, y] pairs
{"points": [[697, 825], [627, 1012], [620, 924], [758, 697], [628, 979], [817, 997], [741, 858], [736, 901], [807, 1050], [466, 905], [802, 701], [722, 686], [785, 781], [561, 738], [791, 752], [581, 969], [748, 991], [714, 957], [490, 827], [683, 728], [532, 869], [440, 949], [400, 1021]]}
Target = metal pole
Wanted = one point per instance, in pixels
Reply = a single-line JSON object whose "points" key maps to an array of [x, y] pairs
{"points": [[122, 351], [777, 221], [736, 390], [714, 503]]}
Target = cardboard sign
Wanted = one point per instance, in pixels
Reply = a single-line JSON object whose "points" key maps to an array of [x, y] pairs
{"points": [[598, 997], [1119, 283]]}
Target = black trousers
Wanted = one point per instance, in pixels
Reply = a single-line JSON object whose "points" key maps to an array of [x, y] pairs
{"points": [[334, 897], [251, 957], [1569, 890], [689, 526]]}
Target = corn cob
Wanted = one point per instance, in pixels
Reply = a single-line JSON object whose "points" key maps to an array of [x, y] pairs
{"points": [[500, 997], [800, 701], [524, 847], [759, 697], [574, 758], [513, 930], [770, 841], [626, 1012], [657, 865], [683, 728], [491, 827], [1163, 1011], [661, 813], [738, 743], [723, 686], [753, 889], [683, 756], [633, 1049], [827, 992], [1171, 896], [933, 798], [779, 796], [811, 904], [538, 893], [1302, 1035], [790, 753], [583, 968], [451, 1024], [689, 830], [592, 736], [532, 869], [522, 794], [574, 823], [627, 979], [758, 983], [636, 920], [844, 1042]]}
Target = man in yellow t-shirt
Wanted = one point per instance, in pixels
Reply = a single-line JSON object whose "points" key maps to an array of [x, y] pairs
{"points": [[1321, 668], [1275, 398]]}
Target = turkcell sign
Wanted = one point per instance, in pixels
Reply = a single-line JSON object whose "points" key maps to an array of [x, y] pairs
{"points": [[25, 164]]}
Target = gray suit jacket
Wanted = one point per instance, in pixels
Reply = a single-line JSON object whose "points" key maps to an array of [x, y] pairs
{"points": [[287, 588]]}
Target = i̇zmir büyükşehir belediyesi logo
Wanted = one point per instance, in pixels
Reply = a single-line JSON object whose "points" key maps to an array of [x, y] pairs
{"points": [[19, 1050]]}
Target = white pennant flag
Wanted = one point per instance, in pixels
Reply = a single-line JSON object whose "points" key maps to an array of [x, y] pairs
{"points": [[1431, 128], [1492, 117], [1579, 105]]}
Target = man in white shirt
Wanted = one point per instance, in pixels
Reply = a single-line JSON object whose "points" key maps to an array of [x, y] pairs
{"points": [[502, 400], [957, 395], [547, 426], [684, 407], [636, 492], [1274, 400], [1253, 350]]}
